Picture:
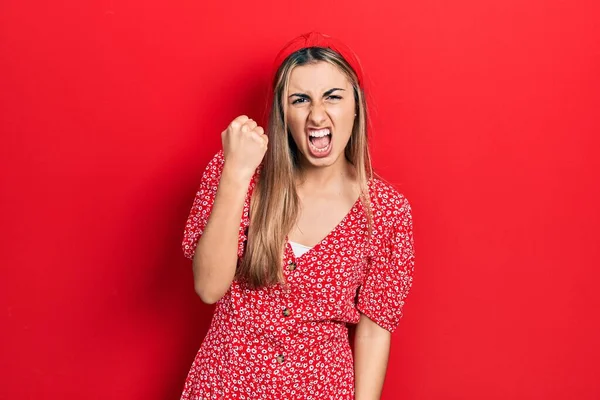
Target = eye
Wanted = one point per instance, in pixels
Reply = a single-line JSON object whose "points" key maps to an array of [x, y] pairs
{"points": [[298, 100], [334, 97]]}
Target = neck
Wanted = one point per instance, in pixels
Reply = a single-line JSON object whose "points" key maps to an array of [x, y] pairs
{"points": [[323, 177]]}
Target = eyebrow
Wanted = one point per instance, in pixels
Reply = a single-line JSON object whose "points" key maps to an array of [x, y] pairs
{"points": [[327, 93]]}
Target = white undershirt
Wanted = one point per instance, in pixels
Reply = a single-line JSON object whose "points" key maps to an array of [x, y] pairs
{"points": [[299, 249]]}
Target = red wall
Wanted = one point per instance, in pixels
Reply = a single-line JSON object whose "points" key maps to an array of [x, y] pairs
{"points": [[486, 117]]}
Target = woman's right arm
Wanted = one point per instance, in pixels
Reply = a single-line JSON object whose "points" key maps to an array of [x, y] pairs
{"points": [[215, 256]]}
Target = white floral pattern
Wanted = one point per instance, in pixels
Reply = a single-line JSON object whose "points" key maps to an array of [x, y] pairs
{"points": [[291, 341]]}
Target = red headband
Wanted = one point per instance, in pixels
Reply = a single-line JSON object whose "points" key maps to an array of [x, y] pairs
{"points": [[313, 39], [317, 39]]}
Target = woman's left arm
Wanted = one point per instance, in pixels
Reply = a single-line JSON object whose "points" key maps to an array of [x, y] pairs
{"points": [[381, 297], [371, 353]]}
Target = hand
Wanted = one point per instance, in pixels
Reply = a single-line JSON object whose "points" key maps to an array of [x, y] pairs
{"points": [[244, 145]]}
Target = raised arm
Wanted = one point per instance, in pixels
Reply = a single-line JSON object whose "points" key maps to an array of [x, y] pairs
{"points": [[215, 256]]}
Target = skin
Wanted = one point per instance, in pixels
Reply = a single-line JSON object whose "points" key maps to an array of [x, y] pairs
{"points": [[215, 258], [371, 354], [327, 188], [320, 95]]}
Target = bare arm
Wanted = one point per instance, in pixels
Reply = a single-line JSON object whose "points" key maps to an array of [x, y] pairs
{"points": [[371, 353], [215, 258]]}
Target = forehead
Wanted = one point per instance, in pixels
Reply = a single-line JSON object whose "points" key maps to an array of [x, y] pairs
{"points": [[317, 77]]}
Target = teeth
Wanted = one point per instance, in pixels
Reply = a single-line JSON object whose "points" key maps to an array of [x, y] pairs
{"points": [[319, 133], [317, 150]]}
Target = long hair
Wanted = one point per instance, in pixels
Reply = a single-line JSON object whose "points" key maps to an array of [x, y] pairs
{"points": [[275, 204]]}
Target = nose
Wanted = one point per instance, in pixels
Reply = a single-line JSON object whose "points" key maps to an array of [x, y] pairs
{"points": [[318, 114]]}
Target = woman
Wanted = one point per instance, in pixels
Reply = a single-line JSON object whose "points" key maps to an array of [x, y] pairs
{"points": [[321, 244]]}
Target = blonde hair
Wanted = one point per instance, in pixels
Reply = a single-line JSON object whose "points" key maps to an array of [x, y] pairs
{"points": [[275, 204]]}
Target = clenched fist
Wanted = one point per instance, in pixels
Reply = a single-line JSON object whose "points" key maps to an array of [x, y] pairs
{"points": [[244, 145]]}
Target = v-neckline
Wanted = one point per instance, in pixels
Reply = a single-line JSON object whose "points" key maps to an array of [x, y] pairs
{"points": [[319, 244]]}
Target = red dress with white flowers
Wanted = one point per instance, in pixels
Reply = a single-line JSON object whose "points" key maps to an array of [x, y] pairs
{"points": [[292, 342]]}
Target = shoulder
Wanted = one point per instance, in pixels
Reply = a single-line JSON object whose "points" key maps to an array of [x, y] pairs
{"points": [[386, 200], [212, 172], [215, 165], [391, 213]]}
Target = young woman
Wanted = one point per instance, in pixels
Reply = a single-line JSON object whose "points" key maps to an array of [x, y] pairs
{"points": [[322, 243]]}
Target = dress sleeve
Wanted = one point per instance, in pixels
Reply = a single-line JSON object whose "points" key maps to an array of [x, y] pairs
{"points": [[202, 206], [389, 277]]}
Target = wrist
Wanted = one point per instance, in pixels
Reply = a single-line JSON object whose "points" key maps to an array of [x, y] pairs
{"points": [[237, 176]]}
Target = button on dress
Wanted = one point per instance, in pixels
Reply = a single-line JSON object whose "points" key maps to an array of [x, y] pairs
{"points": [[291, 341]]}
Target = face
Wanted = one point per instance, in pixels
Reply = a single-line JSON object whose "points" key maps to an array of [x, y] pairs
{"points": [[320, 112]]}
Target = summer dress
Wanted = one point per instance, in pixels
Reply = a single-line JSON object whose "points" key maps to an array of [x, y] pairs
{"points": [[292, 343]]}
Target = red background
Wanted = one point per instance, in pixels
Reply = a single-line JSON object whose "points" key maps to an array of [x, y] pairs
{"points": [[485, 117]]}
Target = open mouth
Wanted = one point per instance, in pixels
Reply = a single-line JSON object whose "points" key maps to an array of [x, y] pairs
{"points": [[320, 140]]}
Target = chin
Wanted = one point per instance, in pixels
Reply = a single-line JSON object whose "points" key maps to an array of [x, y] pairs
{"points": [[322, 162]]}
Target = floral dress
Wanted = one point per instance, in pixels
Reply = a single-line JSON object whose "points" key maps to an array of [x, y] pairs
{"points": [[291, 342]]}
